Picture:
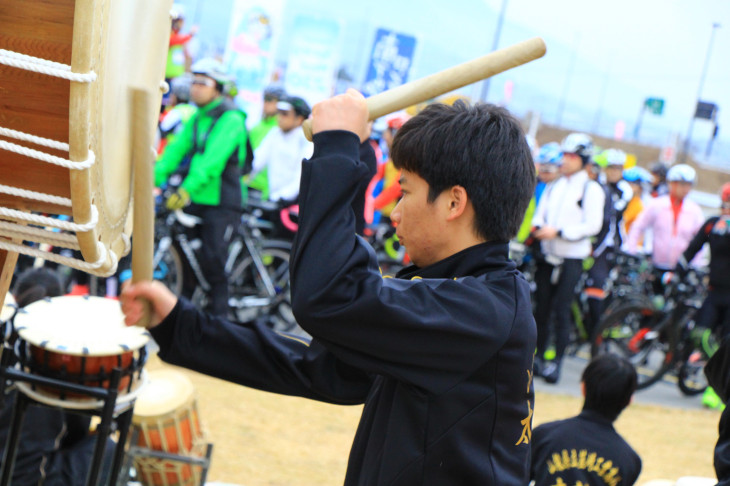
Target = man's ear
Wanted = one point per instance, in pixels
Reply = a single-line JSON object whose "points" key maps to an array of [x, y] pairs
{"points": [[457, 201]]}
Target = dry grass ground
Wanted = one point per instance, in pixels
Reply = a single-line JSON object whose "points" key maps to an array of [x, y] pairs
{"points": [[269, 440]]}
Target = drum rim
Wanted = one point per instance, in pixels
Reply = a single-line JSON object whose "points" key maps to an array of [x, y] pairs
{"points": [[123, 400], [8, 309], [189, 402], [131, 338]]}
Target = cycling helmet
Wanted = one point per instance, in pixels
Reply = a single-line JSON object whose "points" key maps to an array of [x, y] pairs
{"points": [[611, 157], [580, 144], [212, 68], [660, 169], [550, 153], [681, 173], [180, 87], [274, 92], [637, 174], [177, 12], [725, 192], [300, 106]]}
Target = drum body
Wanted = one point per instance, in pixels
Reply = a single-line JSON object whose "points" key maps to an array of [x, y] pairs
{"points": [[166, 418], [65, 167], [80, 340]]}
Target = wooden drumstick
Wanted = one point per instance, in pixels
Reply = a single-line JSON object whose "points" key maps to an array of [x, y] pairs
{"points": [[449, 79], [144, 214]]}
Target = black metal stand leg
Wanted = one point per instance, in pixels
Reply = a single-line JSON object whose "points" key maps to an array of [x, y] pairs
{"points": [[104, 429], [11, 447], [208, 455], [128, 459], [124, 421]]}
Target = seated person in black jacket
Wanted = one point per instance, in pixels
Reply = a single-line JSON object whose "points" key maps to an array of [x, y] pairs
{"points": [[441, 355], [586, 449]]}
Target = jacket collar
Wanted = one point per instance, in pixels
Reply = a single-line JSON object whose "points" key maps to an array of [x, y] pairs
{"points": [[473, 261], [594, 416], [211, 105]]}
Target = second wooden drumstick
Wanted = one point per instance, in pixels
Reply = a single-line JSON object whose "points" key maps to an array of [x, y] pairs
{"points": [[144, 216]]}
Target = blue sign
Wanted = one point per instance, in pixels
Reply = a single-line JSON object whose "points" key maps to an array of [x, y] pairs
{"points": [[390, 61]]}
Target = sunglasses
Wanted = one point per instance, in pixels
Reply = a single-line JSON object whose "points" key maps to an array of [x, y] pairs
{"points": [[725, 205], [204, 82], [271, 98]]}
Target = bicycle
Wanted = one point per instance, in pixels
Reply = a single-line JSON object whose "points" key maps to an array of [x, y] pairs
{"points": [[258, 268], [657, 334], [392, 257]]}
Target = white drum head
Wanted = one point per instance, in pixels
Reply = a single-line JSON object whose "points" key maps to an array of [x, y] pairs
{"points": [[80, 326], [8, 308], [166, 391]]}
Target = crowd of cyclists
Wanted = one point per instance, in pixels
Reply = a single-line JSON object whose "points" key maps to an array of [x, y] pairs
{"points": [[590, 204]]}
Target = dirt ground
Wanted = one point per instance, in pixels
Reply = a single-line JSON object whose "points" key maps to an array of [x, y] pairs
{"points": [[261, 439]]}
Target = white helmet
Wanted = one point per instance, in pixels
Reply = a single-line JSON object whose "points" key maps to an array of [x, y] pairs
{"points": [[682, 173], [615, 157], [212, 68], [580, 144], [177, 12]]}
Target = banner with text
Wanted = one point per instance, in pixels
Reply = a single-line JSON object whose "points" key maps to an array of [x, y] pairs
{"points": [[254, 31], [390, 61], [313, 58]]}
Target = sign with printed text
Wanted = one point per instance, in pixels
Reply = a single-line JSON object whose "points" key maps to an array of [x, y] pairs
{"points": [[390, 61], [706, 110], [655, 105]]}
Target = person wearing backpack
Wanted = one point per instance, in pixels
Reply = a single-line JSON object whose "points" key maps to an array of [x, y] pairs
{"points": [[570, 212], [212, 150]]}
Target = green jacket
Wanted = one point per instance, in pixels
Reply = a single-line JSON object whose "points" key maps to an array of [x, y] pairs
{"points": [[261, 129], [214, 174], [260, 181]]}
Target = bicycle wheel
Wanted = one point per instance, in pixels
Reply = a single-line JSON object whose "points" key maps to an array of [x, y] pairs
{"points": [[641, 334], [691, 378], [248, 291], [695, 348], [168, 266]]}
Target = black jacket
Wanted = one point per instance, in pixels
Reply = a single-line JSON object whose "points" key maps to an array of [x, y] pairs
{"points": [[441, 356], [716, 232], [583, 449], [450, 345], [717, 371]]}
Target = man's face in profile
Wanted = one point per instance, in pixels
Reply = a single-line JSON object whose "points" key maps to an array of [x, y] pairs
{"points": [[420, 225]]}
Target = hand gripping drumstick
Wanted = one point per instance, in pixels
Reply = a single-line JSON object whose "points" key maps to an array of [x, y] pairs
{"points": [[449, 79], [144, 221]]}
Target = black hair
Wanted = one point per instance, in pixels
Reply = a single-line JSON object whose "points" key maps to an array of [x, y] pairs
{"points": [[609, 380], [481, 148], [36, 284], [660, 169]]}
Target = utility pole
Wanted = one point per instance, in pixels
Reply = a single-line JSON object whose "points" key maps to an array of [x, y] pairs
{"points": [[688, 139], [495, 44]]}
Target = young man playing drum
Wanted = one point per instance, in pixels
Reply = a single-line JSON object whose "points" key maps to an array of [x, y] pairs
{"points": [[441, 356]]}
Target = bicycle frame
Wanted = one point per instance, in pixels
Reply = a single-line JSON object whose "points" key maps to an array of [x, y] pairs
{"points": [[176, 221]]}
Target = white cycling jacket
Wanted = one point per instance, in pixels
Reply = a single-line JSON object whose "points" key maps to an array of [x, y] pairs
{"points": [[573, 205]]}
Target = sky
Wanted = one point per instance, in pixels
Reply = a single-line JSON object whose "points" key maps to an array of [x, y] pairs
{"points": [[603, 58]]}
